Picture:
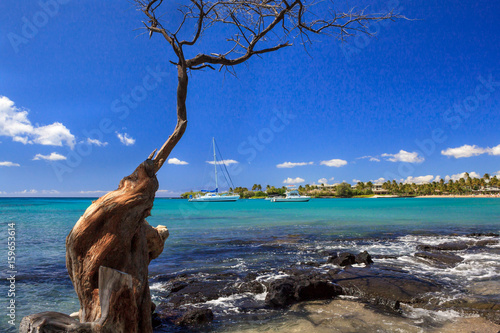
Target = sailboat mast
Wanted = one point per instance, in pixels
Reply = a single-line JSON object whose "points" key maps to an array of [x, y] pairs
{"points": [[215, 165]]}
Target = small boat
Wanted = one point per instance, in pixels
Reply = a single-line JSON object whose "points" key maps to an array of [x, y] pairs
{"points": [[292, 195], [214, 195]]}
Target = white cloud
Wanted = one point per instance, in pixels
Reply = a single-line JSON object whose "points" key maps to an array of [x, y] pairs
{"points": [[334, 163], [50, 192], [464, 151], [356, 180], [404, 156], [370, 158], [322, 181], [176, 161], [293, 180], [96, 142], [126, 139], [14, 123], [293, 164], [494, 151], [226, 162], [380, 180], [32, 191], [461, 175], [167, 193], [9, 164], [94, 192], [497, 173], [332, 178], [419, 180], [51, 157], [469, 151]]}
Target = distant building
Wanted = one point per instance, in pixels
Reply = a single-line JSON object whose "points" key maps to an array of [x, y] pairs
{"points": [[378, 189], [489, 189], [328, 186]]}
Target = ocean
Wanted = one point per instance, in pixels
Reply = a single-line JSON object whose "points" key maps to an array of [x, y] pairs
{"points": [[252, 236]]}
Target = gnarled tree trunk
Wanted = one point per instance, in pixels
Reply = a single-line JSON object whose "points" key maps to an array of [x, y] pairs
{"points": [[113, 232]]}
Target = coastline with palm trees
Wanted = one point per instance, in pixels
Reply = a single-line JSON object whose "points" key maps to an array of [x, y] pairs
{"points": [[466, 186]]}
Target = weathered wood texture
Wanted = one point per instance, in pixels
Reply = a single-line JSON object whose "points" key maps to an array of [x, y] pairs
{"points": [[113, 232], [115, 292]]}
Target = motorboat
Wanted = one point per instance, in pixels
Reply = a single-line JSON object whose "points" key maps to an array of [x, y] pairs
{"points": [[292, 195]]}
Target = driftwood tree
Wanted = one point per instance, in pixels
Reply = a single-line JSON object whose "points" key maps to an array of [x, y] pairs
{"points": [[113, 231]]}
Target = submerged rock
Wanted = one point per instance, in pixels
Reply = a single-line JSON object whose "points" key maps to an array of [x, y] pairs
{"points": [[441, 259], [480, 234], [450, 246], [489, 309], [486, 242]]}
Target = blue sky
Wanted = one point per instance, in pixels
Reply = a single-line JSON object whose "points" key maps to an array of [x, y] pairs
{"points": [[84, 98]]}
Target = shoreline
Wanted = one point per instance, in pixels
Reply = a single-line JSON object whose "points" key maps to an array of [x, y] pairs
{"points": [[351, 315], [419, 287], [460, 196]]}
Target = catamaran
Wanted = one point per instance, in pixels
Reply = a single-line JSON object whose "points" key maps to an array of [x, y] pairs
{"points": [[292, 195], [214, 195]]}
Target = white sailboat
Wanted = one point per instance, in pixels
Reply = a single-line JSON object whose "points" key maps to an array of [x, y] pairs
{"points": [[214, 195]]}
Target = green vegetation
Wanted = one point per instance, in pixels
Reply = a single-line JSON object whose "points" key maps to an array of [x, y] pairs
{"points": [[187, 194], [464, 186]]}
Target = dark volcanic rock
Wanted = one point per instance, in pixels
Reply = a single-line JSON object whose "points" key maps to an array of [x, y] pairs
{"points": [[304, 287], [441, 259], [486, 242], [281, 293], [364, 258], [332, 258], [250, 277], [479, 234], [194, 289], [385, 256], [384, 287], [202, 291], [155, 320], [254, 287], [316, 289], [343, 259], [178, 285], [196, 317], [451, 246]]}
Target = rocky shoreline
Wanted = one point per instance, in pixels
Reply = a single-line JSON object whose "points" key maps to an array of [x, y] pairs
{"points": [[192, 299]]}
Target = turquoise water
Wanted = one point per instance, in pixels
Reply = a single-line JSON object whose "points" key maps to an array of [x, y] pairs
{"points": [[247, 235]]}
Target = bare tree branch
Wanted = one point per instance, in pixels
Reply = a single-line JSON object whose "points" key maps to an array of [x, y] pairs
{"points": [[254, 27]]}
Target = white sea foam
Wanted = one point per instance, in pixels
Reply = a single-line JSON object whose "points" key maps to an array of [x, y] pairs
{"points": [[232, 304], [156, 286], [271, 277], [438, 316]]}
